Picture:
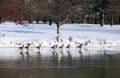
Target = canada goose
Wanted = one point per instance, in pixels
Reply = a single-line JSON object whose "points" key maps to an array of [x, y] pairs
{"points": [[76, 42], [27, 47], [80, 45], [89, 42], [54, 46], [60, 47], [21, 47], [38, 46], [68, 46], [86, 43]]}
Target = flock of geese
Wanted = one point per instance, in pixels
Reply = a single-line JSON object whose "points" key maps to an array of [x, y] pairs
{"points": [[53, 46]]}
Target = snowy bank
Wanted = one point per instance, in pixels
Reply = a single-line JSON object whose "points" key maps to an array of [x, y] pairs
{"points": [[12, 33], [90, 35]]}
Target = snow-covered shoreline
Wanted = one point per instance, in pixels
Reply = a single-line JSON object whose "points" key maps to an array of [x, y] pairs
{"points": [[10, 33], [93, 37]]}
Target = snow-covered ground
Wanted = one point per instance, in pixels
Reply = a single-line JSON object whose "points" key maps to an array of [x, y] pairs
{"points": [[92, 36], [10, 33]]}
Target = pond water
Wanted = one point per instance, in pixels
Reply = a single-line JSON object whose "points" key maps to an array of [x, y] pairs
{"points": [[101, 64]]}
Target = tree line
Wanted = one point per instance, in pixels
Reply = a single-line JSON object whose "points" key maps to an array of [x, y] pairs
{"points": [[61, 11]]}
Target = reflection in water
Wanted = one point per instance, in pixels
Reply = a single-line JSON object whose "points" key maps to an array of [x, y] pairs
{"points": [[69, 58], [62, 64], [60, 56]]}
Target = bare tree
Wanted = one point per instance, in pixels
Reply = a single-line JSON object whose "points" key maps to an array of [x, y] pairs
{"points": [[29, 9], [9, 10], [60, 10]]}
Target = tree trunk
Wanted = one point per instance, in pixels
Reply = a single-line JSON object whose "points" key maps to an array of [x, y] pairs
{"points": [[37, 20], [102, 19], [95, 20], [58, 28], [112, 20], [72, 21], [50, 21], [0, 19], [84, 20], [88, 19], [119, 20], [30, 21], [58, 31], [44, 21]]}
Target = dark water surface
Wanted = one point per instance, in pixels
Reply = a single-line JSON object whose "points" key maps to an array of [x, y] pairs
{"points": [[101, 65]]}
